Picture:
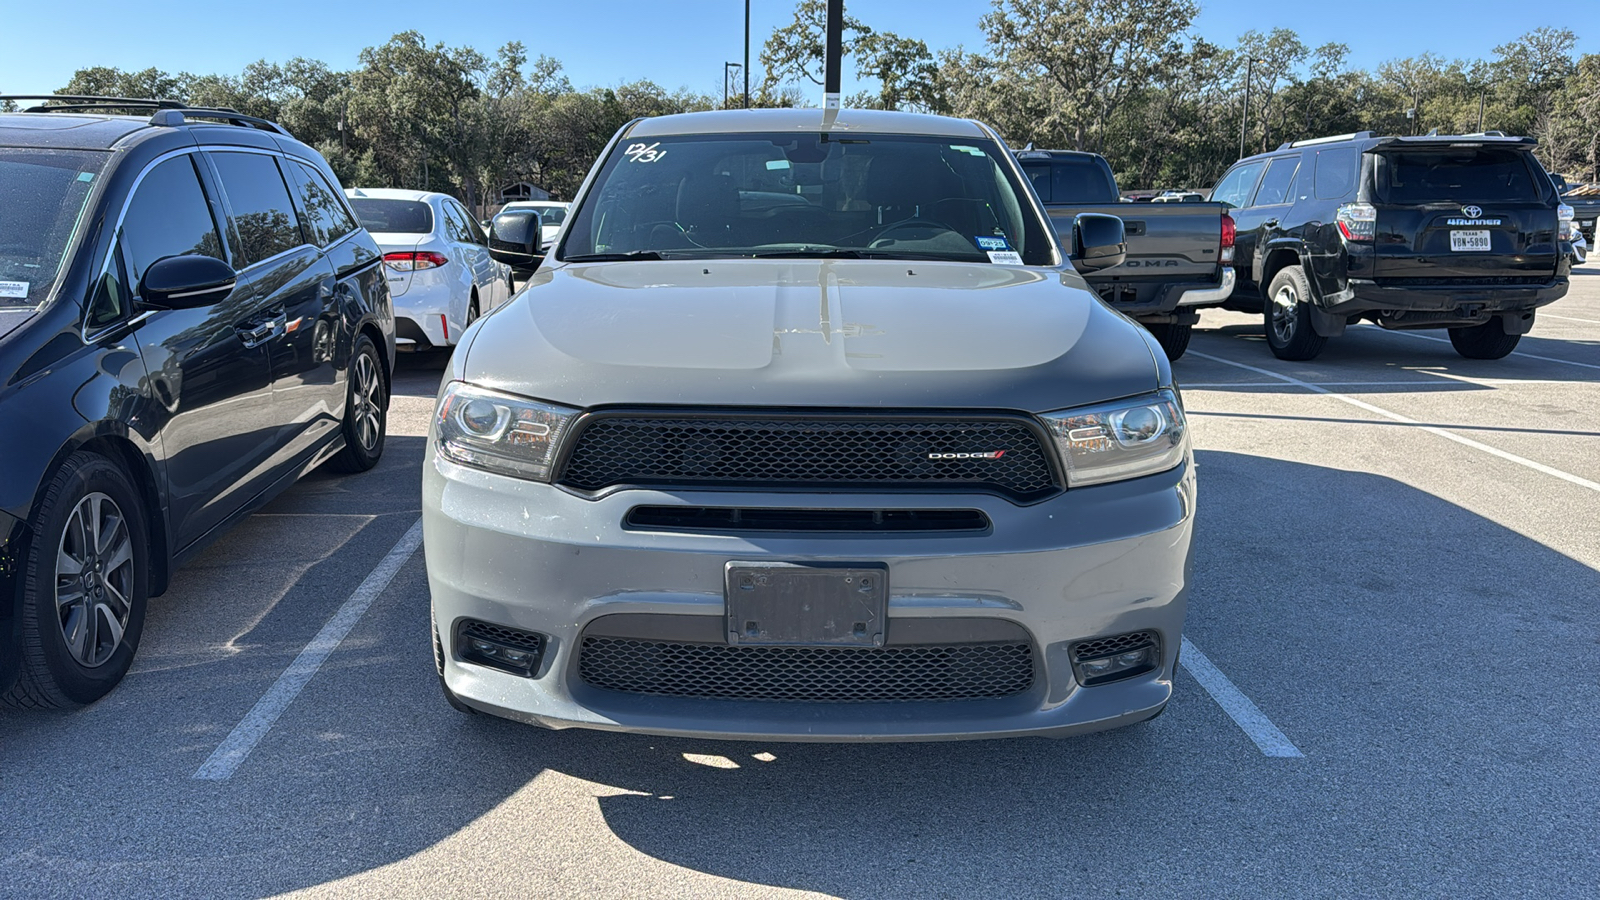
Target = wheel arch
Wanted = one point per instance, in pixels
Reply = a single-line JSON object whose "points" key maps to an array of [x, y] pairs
{"points": [[1278, 257], [371, 330], [134, 463]]}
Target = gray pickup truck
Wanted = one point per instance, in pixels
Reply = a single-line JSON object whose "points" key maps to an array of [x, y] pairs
{"points": [[1179, 254]]}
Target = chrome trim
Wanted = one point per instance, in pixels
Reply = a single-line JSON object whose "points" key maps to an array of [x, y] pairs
{"points": [[1211, 295]]}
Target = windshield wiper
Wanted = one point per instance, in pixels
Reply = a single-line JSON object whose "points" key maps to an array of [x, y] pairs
{"points": [[812, 253], [614, 257]]}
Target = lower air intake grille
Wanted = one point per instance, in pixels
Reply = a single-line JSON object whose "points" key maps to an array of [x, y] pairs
{"points": [[1112, 645], [1003, 455], [808, 674]]}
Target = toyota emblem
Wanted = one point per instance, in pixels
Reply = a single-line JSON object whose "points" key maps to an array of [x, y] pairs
{"points": [[1472, 212]]}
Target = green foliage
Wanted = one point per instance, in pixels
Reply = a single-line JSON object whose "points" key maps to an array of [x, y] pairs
{"points": [[1121, 77]]}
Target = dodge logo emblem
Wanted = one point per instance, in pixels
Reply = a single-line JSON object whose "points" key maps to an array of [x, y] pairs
{"points": [[992, 454], [1472, 212]]}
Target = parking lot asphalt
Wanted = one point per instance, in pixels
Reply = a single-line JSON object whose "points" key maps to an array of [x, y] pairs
{"points": [[1397, 570]]}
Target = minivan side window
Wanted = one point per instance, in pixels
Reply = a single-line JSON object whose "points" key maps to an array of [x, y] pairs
{"points": [[326, 217], [259, 204], [1336, 172], [1236, 187], [1279, 179]]}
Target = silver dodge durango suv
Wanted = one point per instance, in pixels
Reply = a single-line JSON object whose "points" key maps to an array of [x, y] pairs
{"points": [[808, 429]]}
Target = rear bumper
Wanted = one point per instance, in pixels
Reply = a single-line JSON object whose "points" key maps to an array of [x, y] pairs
{"points": [[1140, 299], [1443, 304]]}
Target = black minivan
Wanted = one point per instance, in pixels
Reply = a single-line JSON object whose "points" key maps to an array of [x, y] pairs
{"points": [[191, 318], [1461, 232]]}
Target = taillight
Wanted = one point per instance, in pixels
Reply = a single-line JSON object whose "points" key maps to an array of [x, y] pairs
{"points": [[412, 261], [1357, 221], [1229, 232]]}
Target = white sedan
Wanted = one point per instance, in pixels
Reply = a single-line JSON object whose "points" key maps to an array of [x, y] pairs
{"points": [[437, 260], [551, 214]]}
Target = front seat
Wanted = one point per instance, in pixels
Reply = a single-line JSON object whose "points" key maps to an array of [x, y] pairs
{"points": [[708, 207]]}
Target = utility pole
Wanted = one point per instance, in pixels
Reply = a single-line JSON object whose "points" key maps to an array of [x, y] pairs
{"points": [[746, 54], [835, 50], [1244, 120], [1480, 109]]}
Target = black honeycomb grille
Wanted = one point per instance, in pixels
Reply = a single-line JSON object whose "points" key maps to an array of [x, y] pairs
{"points": [[799, 451], [807, 674], [1109, 646], [531, 641]]}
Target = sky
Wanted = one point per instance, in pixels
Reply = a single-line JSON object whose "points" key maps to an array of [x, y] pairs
{"points": [[677, 44]]}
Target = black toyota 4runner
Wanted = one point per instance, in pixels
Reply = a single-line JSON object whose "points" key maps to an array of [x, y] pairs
{"points": [[1444, 231]]}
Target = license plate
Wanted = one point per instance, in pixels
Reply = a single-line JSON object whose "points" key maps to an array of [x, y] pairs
{"points": [[806, 605], [1586, 223], [1469, 241]]}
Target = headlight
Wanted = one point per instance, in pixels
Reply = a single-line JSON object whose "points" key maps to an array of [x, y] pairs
{"points": [[1124, 439], [499, 433]]}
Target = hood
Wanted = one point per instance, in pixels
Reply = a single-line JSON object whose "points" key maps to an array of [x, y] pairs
{"points": [[809, 333], [12, 318]]}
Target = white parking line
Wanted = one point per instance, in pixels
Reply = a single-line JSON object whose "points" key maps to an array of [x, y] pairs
{"points": [[1213, 385], [1396, 417], [1554, 359], [1245, 714], [256, 723], [1545, 315]]}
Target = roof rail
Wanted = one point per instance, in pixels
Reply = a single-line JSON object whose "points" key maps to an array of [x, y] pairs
{"points": [[167, 113], [1333, 139]]}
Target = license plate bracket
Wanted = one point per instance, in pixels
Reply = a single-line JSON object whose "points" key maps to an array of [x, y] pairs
{"points": [[806, 604], [1470, 242]]}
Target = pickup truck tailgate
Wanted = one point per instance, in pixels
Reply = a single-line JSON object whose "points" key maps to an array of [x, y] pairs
{"points": [[1172, 241]]}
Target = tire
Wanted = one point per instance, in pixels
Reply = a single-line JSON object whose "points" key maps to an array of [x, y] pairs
{"points": [[74, 651], [472, 313], [1287, 317], [366, 410], [1486, 341], [1173, 338]]}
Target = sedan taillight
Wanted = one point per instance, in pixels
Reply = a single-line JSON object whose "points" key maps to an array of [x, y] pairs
{"points": [[414, 260]]}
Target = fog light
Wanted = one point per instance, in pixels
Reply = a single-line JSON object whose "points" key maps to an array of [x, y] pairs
{"points": [[1105, 660], [507, 649]]}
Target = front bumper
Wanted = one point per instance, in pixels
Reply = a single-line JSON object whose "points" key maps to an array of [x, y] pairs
{"points": [[1090, 562]]}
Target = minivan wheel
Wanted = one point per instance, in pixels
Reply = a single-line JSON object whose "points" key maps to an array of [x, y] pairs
{"points": [[1173, 337], [1486, 341], [85, 586], [1288, 318], [365, 411]]}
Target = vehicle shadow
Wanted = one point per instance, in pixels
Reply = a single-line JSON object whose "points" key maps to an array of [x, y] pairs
{"points": [[1389, 653]]}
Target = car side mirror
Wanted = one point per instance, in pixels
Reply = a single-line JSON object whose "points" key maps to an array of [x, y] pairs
{"points": [[514, 239], [1098, 242], [186, 282]]}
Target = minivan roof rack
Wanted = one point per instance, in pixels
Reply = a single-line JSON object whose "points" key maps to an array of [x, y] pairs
{"points": [[166, 113], [1359, 135]]}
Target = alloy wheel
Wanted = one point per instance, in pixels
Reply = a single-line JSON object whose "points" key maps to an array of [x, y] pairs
{"points": [[94, 579], [1285, 311], [368, 410]]}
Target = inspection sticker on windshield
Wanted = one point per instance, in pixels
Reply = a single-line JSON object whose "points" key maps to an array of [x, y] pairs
{"points": [[14, 289], [992, 243], [1005, 257]]}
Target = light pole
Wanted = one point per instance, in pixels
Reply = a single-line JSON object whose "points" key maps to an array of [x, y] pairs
{"points": [[1244, 120], [746, 54]]}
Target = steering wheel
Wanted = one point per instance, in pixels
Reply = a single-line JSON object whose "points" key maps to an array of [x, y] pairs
{"points": [[918, 222]]}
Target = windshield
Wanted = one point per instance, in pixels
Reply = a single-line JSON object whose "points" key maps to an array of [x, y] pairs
{"points": [[809, 195], [43, 195], [1071, 181], [393, 216], [1455, 175], [552, 215]]}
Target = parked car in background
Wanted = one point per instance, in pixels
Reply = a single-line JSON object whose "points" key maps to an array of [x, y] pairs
{"points": [[1585, 202], [1179, 255], [1461, 232], [437, 261], [552, 213], [808, 430], [190, 319], [1179, 197]]}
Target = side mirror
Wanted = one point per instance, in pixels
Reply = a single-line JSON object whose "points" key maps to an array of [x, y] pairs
{"points": [[1097, 242], [186, 282], [514, 239]]}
